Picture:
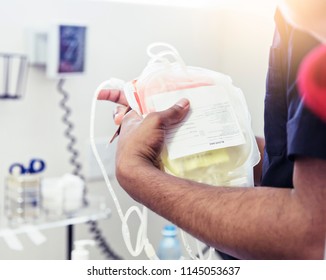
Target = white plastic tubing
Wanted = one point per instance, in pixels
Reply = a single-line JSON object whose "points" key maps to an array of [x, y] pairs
{"points": [[142, 242]]}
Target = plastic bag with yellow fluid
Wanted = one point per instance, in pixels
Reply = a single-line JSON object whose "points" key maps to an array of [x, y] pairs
{"points": [[215, 143]]}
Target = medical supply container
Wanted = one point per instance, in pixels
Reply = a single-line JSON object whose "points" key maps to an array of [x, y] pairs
{"points": [[22, 198], [80, 252], [169, 247]]}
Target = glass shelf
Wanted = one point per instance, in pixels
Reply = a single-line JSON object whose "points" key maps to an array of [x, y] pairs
{"points": [[93, 212]]}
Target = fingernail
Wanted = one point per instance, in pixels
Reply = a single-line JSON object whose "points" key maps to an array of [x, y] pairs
{"points": [[115, 111], [183, 103]]}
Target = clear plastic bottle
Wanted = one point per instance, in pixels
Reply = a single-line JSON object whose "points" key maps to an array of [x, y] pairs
{"points": [[169, 247]]}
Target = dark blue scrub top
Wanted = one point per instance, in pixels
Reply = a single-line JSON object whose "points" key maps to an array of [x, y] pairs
{"points": [[291, 130]]}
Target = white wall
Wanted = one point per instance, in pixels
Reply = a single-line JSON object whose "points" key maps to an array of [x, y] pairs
{"points": [[230, 41]]}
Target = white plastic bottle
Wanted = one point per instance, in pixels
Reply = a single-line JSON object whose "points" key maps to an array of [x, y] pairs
{"points": [[80, 252], [169, 247]]}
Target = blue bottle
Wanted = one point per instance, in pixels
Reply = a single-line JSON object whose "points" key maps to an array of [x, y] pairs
{"points": [[169, 247]]}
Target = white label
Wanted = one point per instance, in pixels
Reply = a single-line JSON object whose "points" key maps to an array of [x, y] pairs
{"points": [[211, 123]]}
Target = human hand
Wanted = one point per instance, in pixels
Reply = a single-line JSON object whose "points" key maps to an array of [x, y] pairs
{"points": [[141, 139], [116, 96]]}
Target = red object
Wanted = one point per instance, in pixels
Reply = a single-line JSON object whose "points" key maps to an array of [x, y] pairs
{"points": [[312, 81]]}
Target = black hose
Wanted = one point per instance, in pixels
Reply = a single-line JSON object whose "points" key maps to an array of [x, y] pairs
{"points": [[68, 132], [93, 226]]}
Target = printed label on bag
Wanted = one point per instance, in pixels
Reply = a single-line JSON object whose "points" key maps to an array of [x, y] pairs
{"points": [[211, 123]]}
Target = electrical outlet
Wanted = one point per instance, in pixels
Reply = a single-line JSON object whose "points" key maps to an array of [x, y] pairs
{"points": [[107, 155]]}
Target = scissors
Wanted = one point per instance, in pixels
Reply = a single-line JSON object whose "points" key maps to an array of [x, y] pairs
{"points": [[116, 134], [35, 166]]}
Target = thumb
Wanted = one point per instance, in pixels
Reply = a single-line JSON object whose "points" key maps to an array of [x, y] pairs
{"points": [[176, 113]]}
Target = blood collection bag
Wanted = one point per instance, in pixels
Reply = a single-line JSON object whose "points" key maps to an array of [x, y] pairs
{"points": [[215, 143]]}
